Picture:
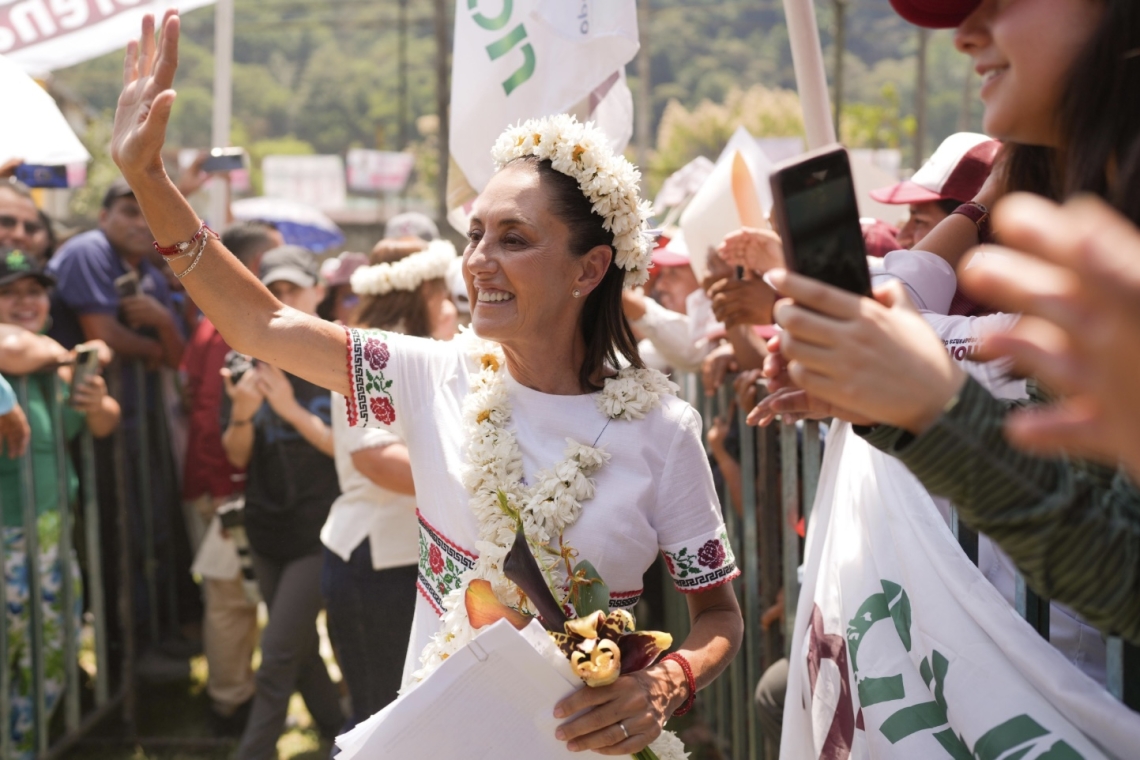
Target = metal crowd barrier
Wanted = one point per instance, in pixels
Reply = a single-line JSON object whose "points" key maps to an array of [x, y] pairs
{"points": [[87, 702], [779, 469]]}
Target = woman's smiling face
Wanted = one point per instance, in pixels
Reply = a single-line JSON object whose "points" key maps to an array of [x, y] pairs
{"points": [[518, 267], [1023, 50], [25, 303]]}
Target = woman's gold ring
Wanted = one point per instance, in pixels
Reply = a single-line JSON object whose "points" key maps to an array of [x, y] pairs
{"points": [[624, 730]]}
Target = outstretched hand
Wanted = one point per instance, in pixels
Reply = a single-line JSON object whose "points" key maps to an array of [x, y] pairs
{"points": [[875, 359], [1078, 286], [145, 102]]}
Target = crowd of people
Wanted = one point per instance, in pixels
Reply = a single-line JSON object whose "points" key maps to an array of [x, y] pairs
{"points": [[329, 425]]}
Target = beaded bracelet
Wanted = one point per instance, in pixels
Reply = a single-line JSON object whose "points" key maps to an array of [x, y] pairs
{"points": [[184, 246], [197, 252], [692, 682]]}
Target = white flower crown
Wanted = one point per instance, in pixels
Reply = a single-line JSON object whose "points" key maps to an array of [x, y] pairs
{"points": [[608, 180], [406, 274]]}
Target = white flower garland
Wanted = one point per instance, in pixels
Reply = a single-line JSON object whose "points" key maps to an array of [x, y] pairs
{"points": [[608, 180], [406, 274]]}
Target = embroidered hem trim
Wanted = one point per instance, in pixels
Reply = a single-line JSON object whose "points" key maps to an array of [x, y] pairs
{"points": [[441, 566], [722, 576]]}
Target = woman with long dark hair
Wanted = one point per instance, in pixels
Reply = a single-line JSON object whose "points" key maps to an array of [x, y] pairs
{"points": [[544, 421], [1061, 83]]}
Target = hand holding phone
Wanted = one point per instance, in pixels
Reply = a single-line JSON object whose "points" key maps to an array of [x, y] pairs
{"points": [[817, 213], [86, 365], [225, 160]]}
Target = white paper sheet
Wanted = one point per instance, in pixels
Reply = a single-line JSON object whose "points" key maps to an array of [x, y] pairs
{"points": [[493, 699], [217, 557]]}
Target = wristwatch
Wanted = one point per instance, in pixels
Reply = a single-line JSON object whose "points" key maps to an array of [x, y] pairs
{"points": [[980, 216]]}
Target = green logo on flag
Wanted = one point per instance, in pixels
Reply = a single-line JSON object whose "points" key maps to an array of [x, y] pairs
{"points": [[498, 49]]}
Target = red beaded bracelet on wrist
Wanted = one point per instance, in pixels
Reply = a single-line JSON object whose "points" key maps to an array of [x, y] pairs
{"points": [[692, 682], [181, 248]]}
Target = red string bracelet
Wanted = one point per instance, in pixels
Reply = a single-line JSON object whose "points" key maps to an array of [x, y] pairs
{"points": [[184, 246], [688, 703]]}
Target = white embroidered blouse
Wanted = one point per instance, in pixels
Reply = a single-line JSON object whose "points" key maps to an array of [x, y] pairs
{"points": [[655, 494]]}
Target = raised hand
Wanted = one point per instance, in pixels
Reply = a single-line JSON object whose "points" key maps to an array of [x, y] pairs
{"points": [[145, 102], [754, 249]]}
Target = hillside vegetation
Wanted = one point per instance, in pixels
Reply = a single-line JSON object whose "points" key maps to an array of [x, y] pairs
{"points": [[321, 76]]}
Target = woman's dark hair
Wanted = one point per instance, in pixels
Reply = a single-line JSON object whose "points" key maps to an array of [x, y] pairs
{"points": [[49, 228], [404, 311], [1099, 121], [948, 205], [605, 329]]}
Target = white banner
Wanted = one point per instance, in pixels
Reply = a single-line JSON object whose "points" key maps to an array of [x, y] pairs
{"points": [[519, 59], [317, 181], [902, 649], [378, 171], [45, 35]]}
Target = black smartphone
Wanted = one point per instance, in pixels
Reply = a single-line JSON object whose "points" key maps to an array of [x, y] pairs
{"points": [[36, 175], [127, 285], [225, 160], [86, 365], [818, 217]]}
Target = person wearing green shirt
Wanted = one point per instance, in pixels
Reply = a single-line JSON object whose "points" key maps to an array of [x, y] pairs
{"points": [[24, 308]]}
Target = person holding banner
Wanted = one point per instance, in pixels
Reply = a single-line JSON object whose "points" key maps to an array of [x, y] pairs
{"points": [[554, 237], [877, 361]]}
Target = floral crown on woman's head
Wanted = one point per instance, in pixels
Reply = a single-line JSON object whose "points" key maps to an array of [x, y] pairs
{"points": [[608, 180], [408, 273]]}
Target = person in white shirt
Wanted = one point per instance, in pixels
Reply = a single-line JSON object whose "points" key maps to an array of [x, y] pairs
{"points": [[371, 536], [675, 323]]}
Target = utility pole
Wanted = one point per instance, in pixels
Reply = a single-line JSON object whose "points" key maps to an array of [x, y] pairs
{"points": [[840, 50], [644, 116], [223, 103], [402, 72], [920, 100], [443, 99]]}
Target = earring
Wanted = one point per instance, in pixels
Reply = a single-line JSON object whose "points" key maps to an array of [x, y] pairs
{"points": [[577, 293]]}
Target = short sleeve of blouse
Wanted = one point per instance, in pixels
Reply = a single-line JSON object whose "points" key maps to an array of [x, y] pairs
{"points": [[393, 378], [690, 528], [355, 439]]}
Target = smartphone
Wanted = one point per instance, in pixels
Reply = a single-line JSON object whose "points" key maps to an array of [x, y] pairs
{"points": [[86, 365], [35, 175], [818, 217], [127, 285], [225, 160], [238, 364]]}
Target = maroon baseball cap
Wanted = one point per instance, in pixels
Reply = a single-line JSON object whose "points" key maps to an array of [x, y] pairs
{"points": [[935, 14], [674, 253], [956, 171]]}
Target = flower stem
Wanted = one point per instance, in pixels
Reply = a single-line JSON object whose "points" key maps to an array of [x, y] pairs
{"points": [[645, 754]]}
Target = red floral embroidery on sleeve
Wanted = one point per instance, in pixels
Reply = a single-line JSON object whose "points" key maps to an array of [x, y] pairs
{"points": [[368, 356]]}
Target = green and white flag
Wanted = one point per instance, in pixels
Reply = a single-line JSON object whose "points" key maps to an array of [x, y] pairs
{"points": [[521, 59], [902, 649]]}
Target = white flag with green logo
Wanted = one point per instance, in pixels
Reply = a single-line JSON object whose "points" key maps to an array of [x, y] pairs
{"points": [[521, 59], [902, 649]]}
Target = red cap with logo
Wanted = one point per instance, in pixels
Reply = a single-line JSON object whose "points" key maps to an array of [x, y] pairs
{"points": [[956, 171], [935, 14]]}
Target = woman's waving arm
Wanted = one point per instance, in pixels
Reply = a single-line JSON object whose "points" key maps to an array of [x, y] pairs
{"points": [[250, 319]]}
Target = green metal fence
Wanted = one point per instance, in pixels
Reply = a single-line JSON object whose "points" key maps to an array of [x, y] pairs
{"points": [[780, 469], [93, 693]]}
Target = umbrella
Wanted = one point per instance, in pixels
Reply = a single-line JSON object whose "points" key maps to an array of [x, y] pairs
{"points": [[299, 223], [34, 129]]}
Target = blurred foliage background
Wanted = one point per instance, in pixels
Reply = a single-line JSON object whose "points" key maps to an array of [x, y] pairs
{"points": [[320, 76]]}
